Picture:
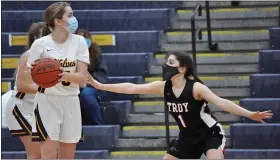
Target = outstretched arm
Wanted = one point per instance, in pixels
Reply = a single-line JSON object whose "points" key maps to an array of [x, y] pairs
{"points": [[203, 92], [129, 88]]}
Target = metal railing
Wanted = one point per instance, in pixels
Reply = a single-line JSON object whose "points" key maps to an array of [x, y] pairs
{"points": [[195, 32], [212, 46], [279, 14], [166, 114]]}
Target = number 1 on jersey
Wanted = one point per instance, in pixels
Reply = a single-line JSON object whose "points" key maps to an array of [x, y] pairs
{"points": [[182, 121]]}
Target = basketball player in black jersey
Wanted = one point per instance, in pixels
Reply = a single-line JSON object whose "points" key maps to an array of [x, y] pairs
{"points": [[186, 98]]}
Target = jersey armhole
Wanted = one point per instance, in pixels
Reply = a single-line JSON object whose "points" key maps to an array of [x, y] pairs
{"points": [[163, 89], [166, 85]]}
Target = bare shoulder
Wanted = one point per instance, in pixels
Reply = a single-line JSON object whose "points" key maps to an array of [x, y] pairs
{"points": [[198, 88]]}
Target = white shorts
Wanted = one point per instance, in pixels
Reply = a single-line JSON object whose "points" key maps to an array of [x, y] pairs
{"points": [[57, 117], [20, 117]]}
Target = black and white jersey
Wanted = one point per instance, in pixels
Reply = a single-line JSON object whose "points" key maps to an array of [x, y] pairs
{"points": [[192, 116]]}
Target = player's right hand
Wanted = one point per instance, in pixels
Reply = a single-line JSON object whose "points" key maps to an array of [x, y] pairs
{"points": [[91, 81]]}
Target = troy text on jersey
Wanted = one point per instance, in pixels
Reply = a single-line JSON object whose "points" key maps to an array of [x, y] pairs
{"points": [[177, 107]]}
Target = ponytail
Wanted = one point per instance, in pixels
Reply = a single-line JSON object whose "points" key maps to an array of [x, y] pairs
{"points": [[196, 78], [46, 30], [190, 72]]}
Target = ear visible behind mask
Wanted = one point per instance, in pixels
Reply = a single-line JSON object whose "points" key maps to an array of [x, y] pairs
{"points": [[168, 72]]}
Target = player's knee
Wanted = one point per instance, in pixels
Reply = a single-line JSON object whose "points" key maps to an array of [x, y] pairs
{"points": [[169, 157], [214, 157], [214, 154]]}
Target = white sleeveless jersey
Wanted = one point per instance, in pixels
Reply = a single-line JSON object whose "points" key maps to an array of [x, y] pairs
{"points": [[68, 53], [24, 96]]}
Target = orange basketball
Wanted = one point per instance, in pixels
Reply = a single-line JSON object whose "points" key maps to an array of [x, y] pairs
{"points": [[45, 72]]}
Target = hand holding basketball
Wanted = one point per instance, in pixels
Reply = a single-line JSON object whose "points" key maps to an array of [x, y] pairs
{"points": [[260, 116], [45, 72], [92, 81], [65, 76]]}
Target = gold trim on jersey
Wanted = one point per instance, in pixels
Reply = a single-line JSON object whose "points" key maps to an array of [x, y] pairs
{"points": [[18, 133], [40, 127], [21, 120], [36, 137]]}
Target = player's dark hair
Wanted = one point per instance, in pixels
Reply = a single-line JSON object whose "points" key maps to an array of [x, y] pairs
{"points": [[34, 32], [94, 50], [185, 60], [56, 10]]}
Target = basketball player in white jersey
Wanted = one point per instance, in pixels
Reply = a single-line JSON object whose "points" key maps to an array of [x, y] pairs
{"points": [[20, 105], [186, 98], [58, 115]]}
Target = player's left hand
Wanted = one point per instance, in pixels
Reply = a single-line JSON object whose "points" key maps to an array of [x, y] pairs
{"points": [[260, 116], [65, 76]]}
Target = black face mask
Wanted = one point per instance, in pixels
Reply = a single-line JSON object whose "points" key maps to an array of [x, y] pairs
{"points": [[168, 72]]}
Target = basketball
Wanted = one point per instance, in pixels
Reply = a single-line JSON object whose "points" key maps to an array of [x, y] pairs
{"points": [[45, 72]]}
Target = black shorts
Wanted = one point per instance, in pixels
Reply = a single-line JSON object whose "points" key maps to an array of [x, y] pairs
{"points": [[184, 150]]}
